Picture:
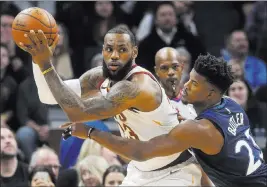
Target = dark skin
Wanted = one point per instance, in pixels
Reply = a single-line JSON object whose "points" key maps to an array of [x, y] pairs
{"points": [[141, 92], [169, 69], [199, 134]]}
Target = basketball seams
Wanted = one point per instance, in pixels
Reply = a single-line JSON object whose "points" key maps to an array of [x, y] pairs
{"points": [[26, 21], [49, 26], [22, 30]]}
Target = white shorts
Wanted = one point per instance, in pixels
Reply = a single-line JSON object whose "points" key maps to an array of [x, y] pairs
{"points": [[185, 174]]}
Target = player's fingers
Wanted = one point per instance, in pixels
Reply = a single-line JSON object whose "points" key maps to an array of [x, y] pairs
{"points": [[26, 48], [180, 118], [42, 38], [34, 39]]}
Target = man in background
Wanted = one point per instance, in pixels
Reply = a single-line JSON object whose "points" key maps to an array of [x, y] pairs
{"points": [[13, 172]]}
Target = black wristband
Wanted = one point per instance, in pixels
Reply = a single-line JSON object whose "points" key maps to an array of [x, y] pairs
{"points": [[90, 131]]}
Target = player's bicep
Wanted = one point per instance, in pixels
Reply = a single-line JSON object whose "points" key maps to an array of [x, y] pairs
{"points": [[121, 96], [90, 81], [125, 94], [203, 135]]}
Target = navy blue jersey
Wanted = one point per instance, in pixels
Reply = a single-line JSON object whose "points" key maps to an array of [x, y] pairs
{"points": [[240, 161]]}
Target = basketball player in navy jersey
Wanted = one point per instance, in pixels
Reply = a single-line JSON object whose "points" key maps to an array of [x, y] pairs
{"points": [[220, 136]]}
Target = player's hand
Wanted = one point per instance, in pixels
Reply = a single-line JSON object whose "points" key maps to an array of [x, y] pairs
{"points": [[38, 47], [79, 130], [180, 118]]}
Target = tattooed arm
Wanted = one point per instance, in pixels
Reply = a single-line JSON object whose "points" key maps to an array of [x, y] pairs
{"points": [[84, 87], [90, 81], [120, 97]]}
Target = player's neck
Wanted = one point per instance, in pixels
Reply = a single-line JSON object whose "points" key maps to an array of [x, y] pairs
{"points": [[204, 106], [8, 167]]}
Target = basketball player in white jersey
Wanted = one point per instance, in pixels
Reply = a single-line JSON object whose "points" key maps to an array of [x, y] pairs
{"points": [[128, 92]]}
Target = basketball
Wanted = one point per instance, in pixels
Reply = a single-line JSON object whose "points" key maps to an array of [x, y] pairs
{"points": [[34, 19]]}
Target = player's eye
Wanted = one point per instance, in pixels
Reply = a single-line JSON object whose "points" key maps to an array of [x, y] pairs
{"points": [[122, 50], [108, 49], [175, 67], [164, 68]]}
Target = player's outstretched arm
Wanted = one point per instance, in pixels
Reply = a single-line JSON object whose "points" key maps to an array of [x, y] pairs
{"points": [[197, 134]]}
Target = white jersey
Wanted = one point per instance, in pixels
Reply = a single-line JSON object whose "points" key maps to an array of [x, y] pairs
{"points": [[186, 111], [146, 125]]}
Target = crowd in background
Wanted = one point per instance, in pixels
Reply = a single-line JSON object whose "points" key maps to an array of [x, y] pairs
{"points": [[236, 31]]}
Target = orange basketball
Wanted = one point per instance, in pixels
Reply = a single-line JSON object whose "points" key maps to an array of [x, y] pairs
{"points": [[34, 19]]}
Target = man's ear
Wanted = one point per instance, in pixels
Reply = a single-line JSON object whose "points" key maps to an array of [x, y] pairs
{"points": [[211, 93], [135, 52], [156, 70]]}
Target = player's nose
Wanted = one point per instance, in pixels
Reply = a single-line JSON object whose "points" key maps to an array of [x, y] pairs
{"points": [[115, 55], [171, 72]]}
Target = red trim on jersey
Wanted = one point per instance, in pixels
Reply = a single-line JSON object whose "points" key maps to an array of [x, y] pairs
{"points": [[133, 66], [99, 84], [178, 98]]}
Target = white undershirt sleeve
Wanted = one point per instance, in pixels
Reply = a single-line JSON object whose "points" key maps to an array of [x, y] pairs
{"points": [[44, 92]]}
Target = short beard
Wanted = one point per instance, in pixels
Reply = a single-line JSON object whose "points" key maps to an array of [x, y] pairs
{"points": [[120, 73], [5, 156]]}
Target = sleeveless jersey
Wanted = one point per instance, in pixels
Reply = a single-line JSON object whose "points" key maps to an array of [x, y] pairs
{"points": [[240, 161], [146, 125]]}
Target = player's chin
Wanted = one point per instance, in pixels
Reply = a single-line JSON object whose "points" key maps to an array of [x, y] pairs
{"points": [[184, 99]]}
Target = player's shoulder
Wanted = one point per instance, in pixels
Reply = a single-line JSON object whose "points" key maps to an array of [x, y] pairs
{"points": [[97, 71], [92, 77]]}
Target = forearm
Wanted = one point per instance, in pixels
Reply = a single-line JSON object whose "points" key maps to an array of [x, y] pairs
{"points": [[127, 148], [64, 96], [44, 92], [134, 149]]}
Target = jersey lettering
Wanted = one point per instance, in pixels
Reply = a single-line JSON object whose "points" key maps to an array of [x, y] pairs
{"points": [[252, 166], [127, 131], [234, 122]]}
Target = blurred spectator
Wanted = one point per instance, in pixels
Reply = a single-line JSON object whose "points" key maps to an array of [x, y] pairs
{"points": [[214, 19], [114, 176], [61, 59], [237, 47], [241, 92], [166, 33], [185, 57], [237, 68], [42, 176], [91, 147], [8, 91], [97, 60], [68, 178], [20, 62], [13, 172], [33, 118], [256, 28], [261, 94], [185, 13], [45, 156], [50, 6], [91, 170]]}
